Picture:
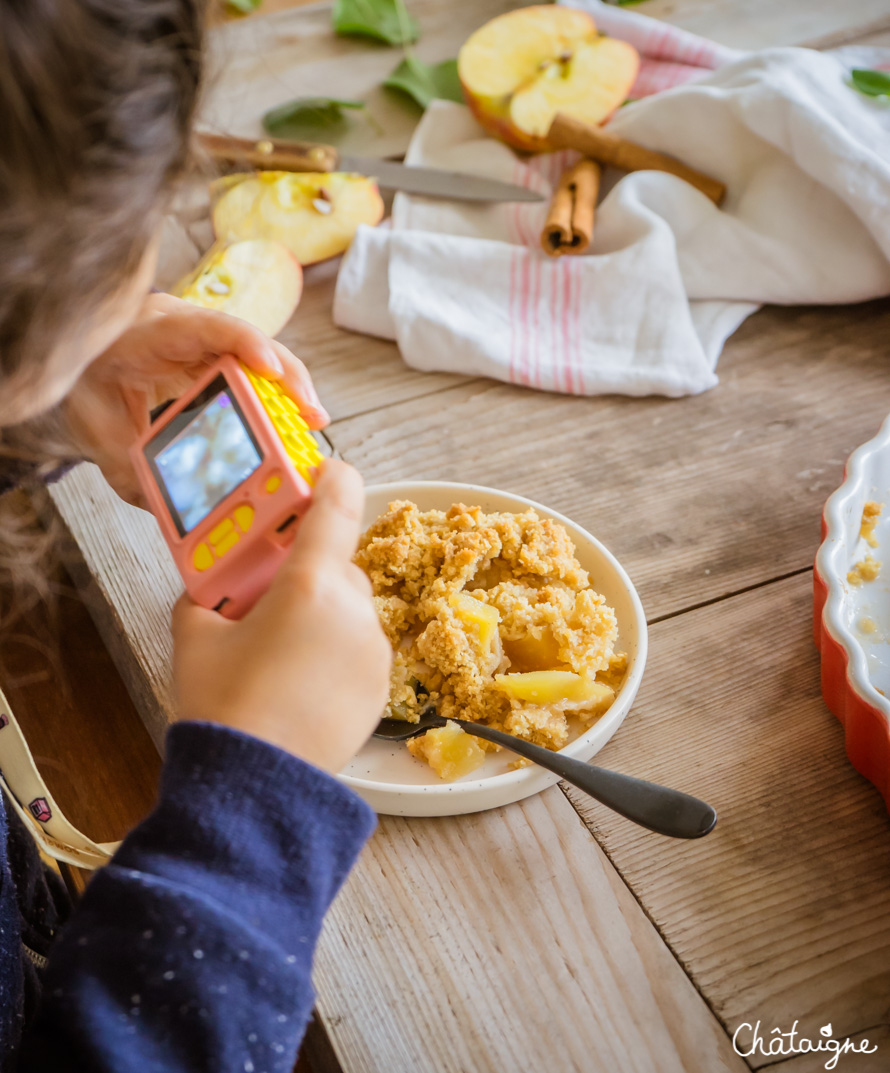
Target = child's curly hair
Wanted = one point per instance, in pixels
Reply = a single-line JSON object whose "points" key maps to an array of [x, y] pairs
{"points": [[96, 105]]}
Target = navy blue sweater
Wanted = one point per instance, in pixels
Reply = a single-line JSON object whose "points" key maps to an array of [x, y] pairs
{"points": [[192, 949]]}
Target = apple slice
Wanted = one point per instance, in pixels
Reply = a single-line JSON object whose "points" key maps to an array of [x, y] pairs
{"points": [[520, 69], [553, 687], [448, 750], [482, 616], [258, 280], [315, 214]]}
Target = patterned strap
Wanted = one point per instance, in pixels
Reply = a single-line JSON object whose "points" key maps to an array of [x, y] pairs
{"points": [[29, 797]]}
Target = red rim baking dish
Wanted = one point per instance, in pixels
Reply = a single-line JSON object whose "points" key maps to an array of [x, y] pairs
{"points": [[852, 616]]}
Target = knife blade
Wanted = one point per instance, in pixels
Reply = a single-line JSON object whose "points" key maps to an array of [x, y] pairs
{"points": [[305, 156], [433, 182]]}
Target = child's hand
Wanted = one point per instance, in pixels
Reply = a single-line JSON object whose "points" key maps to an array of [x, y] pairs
{"points": [[168, 346], [306, 669]]}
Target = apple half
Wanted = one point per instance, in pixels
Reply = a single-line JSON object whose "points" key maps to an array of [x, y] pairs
{"points": [[522, 68], [258, 280], [315, 214]]}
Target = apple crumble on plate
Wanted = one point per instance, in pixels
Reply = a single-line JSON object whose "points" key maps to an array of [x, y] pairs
{"points": [[492, 620]]}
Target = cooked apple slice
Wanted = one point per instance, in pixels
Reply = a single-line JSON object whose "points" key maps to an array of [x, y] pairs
{"points": [[258, 280], [552, 687], [530, 653], [449, 751], [520, 69], [477, 613], [315, 214]]}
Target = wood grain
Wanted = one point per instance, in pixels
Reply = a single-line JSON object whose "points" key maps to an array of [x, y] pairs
{"points": [[504, 941], [507, 940], [128, 581], [88, 741], [608, 971], [874, 34], [763, 23], [260, 63], [735, 479], [699, 498], [782, 913]]}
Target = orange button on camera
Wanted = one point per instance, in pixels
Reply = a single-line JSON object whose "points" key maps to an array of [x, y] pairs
{"points": [[273, 484]]}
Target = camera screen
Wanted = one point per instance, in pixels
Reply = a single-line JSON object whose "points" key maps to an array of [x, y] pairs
{"points": [[203, 455]]}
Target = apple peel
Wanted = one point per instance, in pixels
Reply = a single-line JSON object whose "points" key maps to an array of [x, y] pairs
{"points": [[257, 280], [314, 214], [522, 68]]}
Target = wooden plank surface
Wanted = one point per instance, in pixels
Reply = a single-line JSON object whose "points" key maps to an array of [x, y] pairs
{"points": [[699, 498], [765, 23], [127, 579], [87, 739], [504, 941], [782, 913], [603, 946], [259, 63], [507, 940], [757, 24], [718, 510]]}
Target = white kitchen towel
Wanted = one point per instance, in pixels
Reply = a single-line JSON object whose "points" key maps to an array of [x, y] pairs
{"points": [[806, 160]]}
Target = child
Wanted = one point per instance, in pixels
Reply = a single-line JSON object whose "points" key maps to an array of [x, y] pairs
{"points": [[192, 949]]}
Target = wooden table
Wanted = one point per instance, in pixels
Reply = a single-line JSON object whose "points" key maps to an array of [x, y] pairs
{"points": [[552, 934]]}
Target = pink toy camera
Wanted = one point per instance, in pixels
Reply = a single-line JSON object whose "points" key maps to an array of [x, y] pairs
{"points": [[227, 472]]}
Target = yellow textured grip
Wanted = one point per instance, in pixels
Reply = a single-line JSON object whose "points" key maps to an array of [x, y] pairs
{"points": [[285, 415]]}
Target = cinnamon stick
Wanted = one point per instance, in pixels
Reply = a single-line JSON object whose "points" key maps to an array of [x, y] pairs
{"points": [[568, 133], [569, 224]]}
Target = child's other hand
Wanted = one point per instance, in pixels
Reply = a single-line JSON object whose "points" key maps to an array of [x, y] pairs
{"points": [[163, 351], [306, 669]]}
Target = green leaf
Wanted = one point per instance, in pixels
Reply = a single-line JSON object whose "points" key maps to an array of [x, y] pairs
{"points": [[308, 116], [244, 6], [424, 82], [383, 20], [871, 83]]}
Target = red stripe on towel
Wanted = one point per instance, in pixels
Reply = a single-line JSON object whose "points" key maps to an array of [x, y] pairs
{"points": [[566, 288]]}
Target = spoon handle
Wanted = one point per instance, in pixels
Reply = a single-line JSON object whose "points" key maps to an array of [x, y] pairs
{"points": [[666, 811]]}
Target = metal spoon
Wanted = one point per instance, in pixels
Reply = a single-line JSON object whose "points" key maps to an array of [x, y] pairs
{"points": [[668, 812]]}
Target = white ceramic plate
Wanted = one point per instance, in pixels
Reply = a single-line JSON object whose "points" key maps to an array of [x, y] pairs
{"points": [[392, 781]]}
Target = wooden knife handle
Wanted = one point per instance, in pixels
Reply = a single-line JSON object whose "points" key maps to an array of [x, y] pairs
{"points": [[607, 148], [269, 155]]}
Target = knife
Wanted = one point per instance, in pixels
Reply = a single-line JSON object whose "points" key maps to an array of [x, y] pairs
{"points": [[306, 156]]}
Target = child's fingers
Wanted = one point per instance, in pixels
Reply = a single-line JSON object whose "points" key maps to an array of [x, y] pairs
{"points": [[207, 332], [191, 334], [330, 528]]}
